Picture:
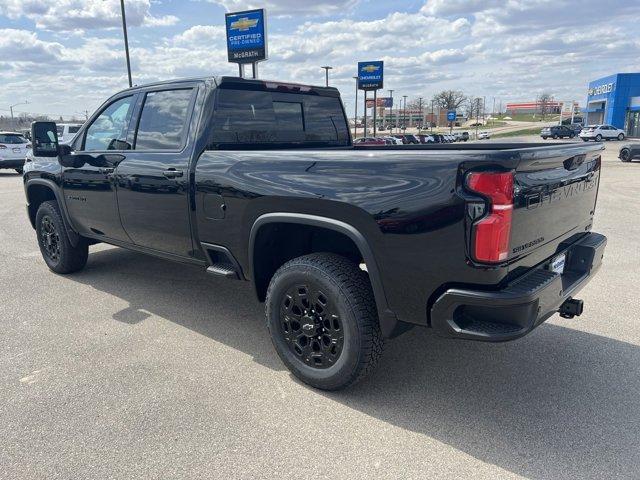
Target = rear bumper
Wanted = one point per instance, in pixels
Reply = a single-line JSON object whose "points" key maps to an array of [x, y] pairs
{"points": [[12, 163], [526, 302]]}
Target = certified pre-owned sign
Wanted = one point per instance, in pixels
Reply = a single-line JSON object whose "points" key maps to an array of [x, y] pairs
{"points": [[246, 36], [370, 75], [600, 89]]}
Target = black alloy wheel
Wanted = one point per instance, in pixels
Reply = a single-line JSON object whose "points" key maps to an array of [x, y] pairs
{"points": [[322, 318], [58, 252], [311, 325], [49, 239], [625, 155]]}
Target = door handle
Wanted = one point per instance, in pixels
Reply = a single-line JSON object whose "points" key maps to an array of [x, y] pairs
{"points": [[106, 170], [172, 173]]}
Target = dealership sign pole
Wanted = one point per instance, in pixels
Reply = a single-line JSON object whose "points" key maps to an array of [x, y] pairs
{"points": [[451, 117], [247, 38], [370, 77]]}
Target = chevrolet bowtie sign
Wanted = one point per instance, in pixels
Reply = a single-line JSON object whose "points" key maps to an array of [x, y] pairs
{"points": [[246, 36], [370, 75]]}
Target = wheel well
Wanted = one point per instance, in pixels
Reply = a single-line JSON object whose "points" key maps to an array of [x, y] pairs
{"points": [[277, 243], [36, 194]]}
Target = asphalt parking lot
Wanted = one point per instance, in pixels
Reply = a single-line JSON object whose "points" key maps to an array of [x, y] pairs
{"points": [[139, 368]]}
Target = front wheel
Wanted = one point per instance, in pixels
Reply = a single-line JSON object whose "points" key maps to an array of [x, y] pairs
{"points": [[621, 137], [585, 139], [598, 138], [625, 155], [323, 321], [58, 252]]}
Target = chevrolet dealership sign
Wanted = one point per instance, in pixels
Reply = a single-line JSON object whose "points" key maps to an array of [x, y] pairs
{"points": [[370, 75], [600, 89], [246, 36]]}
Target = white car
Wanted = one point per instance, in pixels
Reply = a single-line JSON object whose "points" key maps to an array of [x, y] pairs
{"points": [[601, 132], [484, 135], [66, 132], [13, 150], [394, 140]]}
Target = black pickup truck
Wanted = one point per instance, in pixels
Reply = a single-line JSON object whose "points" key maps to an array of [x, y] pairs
{"points": [[347, 246]]}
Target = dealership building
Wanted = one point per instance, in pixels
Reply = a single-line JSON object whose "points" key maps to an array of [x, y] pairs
{"points": [[615, 100]]}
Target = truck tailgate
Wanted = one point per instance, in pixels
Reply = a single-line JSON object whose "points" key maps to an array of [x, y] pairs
{"points": [[554, 198]]}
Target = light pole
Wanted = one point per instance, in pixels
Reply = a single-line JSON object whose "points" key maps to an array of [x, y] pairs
{"points": [[126, 41], [13, 125], [421, 117], [326, 74], [404, 114], [355, 113], [391, 111], [431, 122]]}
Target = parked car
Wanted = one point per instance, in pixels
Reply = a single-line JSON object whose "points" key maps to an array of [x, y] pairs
{"points": [[369, 141], [346, 246], [464, 136], [629, 152], [394, 140], [66, 131], [13, 150], [425, 138], [557, 131], [439, 138], [484, 135], [601, 132], [411, 140]]}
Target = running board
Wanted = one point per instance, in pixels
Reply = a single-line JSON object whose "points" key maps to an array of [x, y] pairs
{"points": [[223, 270]]}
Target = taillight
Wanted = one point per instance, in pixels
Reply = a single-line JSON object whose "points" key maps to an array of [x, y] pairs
{"points": [[492, 233], [28, 145], [3, 147]]}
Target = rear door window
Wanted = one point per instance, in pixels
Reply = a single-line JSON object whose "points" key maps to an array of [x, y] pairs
{"points": [[163, 121]]}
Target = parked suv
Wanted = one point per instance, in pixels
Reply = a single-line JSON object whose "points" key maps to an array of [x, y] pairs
{"points": [[557, 131], [601, 132], [13, 150]]}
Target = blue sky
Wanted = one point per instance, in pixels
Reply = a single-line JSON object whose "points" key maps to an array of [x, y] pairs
{"points": [[66, 56]]}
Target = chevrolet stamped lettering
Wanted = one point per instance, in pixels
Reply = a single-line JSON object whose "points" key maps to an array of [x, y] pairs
{"points": [[537, 199]]}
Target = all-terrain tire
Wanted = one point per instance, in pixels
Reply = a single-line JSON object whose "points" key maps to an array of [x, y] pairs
{"points": [[58, 252], [347, 296]]}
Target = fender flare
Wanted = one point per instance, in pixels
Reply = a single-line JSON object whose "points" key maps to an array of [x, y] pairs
{"points": [[389, 323], [73, 236]]}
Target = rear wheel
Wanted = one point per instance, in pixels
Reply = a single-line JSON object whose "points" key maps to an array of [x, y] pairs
{"points": [[598, 138], [555, 136], [544, 138], [323, 322], [625, 155], [58, 252], [585, 139]]}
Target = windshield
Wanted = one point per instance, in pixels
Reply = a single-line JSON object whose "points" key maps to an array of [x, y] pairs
{"points": [[12, 138]]}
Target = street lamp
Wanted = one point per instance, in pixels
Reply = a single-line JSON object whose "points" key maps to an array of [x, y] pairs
{"points": [[404, 115], [326, 74], [355, 113], [391, 111], [421, 117], [13, 125]]}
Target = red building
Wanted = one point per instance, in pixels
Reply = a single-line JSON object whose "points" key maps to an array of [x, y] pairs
{"points": [[536, 107]]}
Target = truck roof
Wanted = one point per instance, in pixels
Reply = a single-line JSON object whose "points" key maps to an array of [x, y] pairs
{"points": [[247, 82]]}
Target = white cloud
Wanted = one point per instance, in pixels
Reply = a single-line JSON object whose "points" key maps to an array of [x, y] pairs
{"points": [[70, 15], [291, 7]]}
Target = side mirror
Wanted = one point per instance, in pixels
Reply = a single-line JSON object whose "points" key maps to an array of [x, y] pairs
{"points": [[44, 139]]}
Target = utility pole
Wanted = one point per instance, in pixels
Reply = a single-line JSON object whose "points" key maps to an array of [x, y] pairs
{"points": [[421, 117], [126, 41], [326, 74], [355, 113]]}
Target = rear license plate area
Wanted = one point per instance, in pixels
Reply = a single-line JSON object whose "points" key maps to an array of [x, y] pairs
{"points": [[557, 263]]}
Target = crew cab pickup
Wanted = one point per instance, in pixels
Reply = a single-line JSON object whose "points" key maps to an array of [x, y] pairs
{"points": [[347, 246]]}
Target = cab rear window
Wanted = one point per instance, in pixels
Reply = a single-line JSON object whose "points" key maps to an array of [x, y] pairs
{"points": [[246, 117], [12, 138]]}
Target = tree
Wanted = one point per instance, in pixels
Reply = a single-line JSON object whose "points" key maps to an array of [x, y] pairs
{"points": [[544, 103], [449, 99]]}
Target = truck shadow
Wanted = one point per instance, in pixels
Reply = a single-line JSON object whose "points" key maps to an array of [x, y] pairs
{"points": [[559, 403]]}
